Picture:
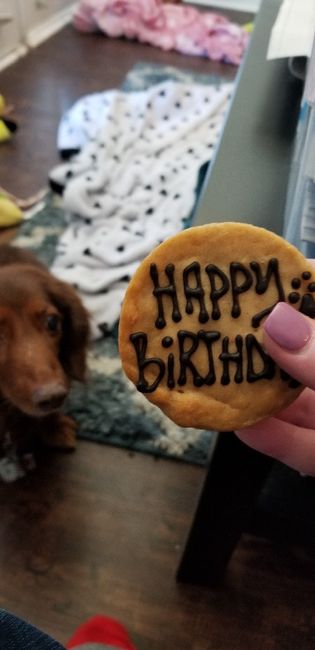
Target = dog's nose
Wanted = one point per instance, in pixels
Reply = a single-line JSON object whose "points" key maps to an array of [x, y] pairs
{"points": [[49, 398]]}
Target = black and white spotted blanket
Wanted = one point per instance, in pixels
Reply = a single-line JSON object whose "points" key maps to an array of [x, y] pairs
{"points": [[133, 183]]}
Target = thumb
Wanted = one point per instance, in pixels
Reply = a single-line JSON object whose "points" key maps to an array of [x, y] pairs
{"points": [[289, 338]]}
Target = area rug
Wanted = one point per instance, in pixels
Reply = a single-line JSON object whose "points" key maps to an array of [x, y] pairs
{"points": [[108, 409]]}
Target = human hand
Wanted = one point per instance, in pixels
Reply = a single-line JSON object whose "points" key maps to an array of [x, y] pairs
{"points": [[289, 338]]}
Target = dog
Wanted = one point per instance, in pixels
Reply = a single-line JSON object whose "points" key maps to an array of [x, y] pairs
{"points": [[44, 334]]}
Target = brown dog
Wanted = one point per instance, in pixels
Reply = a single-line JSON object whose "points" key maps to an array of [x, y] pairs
{"points": [[43, 339]]}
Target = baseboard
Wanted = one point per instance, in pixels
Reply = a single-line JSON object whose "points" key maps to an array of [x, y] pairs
{"points": [[13, 56], [40, 33], [251, 6]]}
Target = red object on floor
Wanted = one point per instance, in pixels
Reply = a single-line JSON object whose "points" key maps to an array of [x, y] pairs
{"points": [[103, 630]]}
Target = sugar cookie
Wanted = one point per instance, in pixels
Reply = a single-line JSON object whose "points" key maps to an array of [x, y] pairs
{"points": [[190, 333]]}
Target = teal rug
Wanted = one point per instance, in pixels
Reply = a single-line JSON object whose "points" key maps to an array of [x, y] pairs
{"points": [[108, 409]]}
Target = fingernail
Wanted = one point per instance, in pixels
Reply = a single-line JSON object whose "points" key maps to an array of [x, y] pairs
{"points": [[288, 327]]}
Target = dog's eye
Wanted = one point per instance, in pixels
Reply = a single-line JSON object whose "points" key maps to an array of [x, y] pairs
{"points": [[52, 323]]}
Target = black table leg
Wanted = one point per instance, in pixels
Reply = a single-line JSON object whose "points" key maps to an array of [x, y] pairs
{"points": [[235, 476]]}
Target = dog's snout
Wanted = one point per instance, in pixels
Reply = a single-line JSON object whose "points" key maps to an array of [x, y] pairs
{"points": [[49, 398]]}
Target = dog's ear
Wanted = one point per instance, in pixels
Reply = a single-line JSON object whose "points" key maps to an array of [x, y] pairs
{"points": [[75, 328]]}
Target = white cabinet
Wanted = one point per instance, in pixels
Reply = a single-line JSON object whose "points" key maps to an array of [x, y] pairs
{"points": [[41, 18], [26, 23], [10, 35]]}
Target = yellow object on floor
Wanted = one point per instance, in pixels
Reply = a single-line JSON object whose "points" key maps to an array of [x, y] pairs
{"points": [[10, 213], [7, 125], [2, 104], [5, 133]]}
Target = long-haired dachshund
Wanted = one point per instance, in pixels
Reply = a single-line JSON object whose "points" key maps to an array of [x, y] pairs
{"points": [[44, 333]]}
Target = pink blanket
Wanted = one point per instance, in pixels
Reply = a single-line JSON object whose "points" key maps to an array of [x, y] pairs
{"points": [[169, 26]]}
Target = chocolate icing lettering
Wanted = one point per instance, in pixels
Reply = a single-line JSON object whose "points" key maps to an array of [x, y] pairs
{"points": [[247, 355], [262, 284], [170, 371], [184, 358], [235, 269], [258, 317], [236, 357], [209, 338], [268, 370], [140, 342], [217, 352], [216, 293], [169, 291], [196, 292]]}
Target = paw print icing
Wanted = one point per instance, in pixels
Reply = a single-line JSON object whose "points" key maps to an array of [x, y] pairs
{"points": [[307, 306]]}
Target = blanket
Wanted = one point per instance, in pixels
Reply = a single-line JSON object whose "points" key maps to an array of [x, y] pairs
{"points": [[133, 184], [164, 25]]}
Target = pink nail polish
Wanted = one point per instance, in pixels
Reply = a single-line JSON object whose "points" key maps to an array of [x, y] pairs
{"points": [[288, 327]]}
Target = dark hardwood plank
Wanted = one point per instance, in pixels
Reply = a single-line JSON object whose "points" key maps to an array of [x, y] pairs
{"points": [[98, 531], [102, 531]]}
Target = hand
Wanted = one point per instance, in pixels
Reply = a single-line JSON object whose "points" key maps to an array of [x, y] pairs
{"points": [[289, 338]]}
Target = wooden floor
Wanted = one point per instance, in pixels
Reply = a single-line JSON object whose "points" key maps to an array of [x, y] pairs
{"points": [[103, 530]]}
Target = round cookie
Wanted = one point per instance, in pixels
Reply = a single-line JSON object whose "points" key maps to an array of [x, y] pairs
{"points": [[190, 334]]}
